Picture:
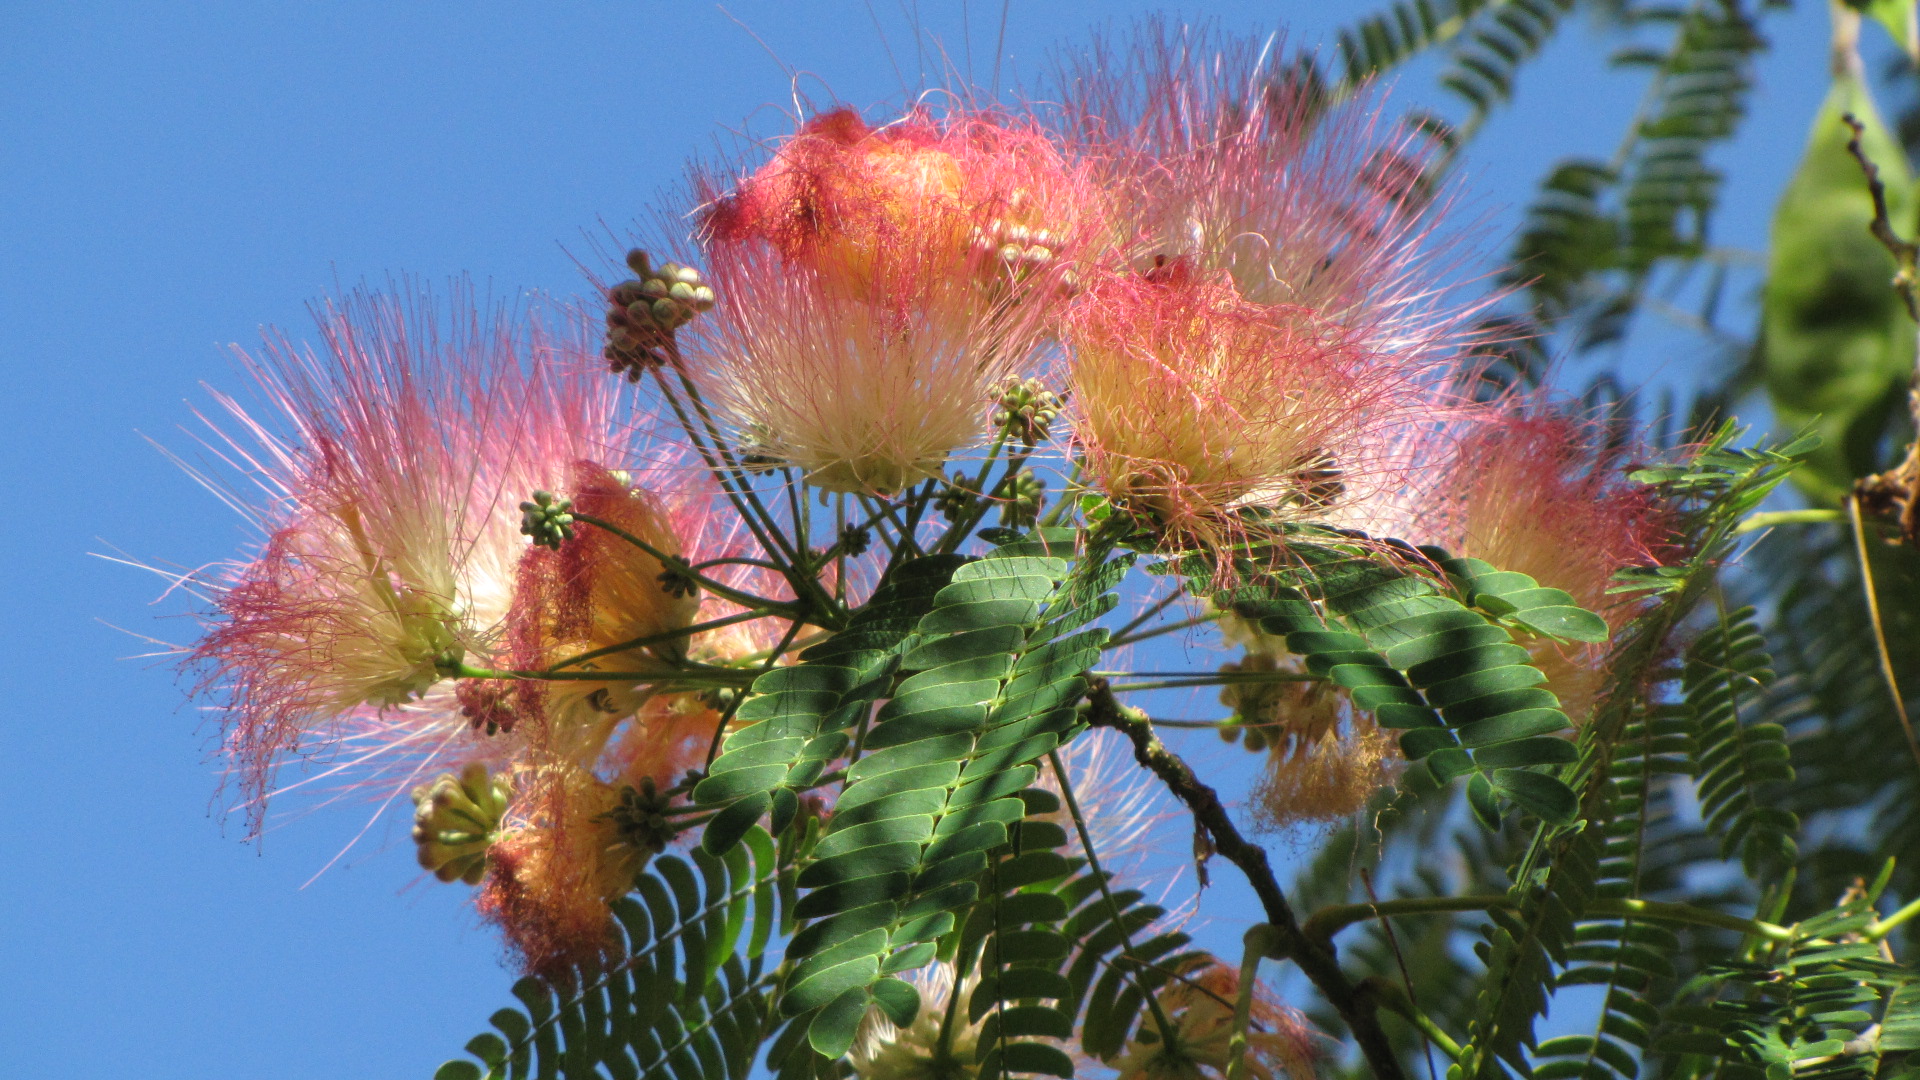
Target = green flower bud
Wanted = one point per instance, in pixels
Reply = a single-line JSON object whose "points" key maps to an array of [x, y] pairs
{"points": [[455, 820], [548, 519]]}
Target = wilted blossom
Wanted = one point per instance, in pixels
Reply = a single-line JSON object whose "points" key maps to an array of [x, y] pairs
{"points": [[873, 284], [1200, 1006], [1325, 759]]}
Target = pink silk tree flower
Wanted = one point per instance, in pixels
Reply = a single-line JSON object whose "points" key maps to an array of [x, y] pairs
{"points": [[874, 284], [974, 195], [1535, 491], [1227, 155], [863, 393], [1189, 401], [392, 465]]}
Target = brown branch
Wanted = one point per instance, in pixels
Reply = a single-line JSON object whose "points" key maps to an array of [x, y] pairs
{"points": [[1894, 494], [1904, 252], [1355, 1004]]}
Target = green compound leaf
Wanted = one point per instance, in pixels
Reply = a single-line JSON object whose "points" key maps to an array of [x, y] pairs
{"points": [[1737, 760], [682, 994], [1449, 677], [987, 687], [796, 720]]}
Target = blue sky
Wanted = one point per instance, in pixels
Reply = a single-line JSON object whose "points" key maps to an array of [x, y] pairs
{"points": [[176, 176]]}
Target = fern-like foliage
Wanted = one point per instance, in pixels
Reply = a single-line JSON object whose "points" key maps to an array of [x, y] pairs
{"points": [[991, 682], [1490, 41], [1727, 668], [1628, 959], [1849, 748], [681, 995], [798, 718], [1599, 228], [1449, 676], [1528, 948], [1824, 1003]]}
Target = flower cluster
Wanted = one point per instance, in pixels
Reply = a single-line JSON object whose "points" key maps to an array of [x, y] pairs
{"points": [[394, 599], [1192, 321]]}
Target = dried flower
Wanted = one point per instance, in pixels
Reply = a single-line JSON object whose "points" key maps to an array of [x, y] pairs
{"points": [[560, 859], [1325, 759], [1200, 1007]]}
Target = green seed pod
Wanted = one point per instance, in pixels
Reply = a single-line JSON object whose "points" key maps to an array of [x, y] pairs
{"points": [[1837, 346]]}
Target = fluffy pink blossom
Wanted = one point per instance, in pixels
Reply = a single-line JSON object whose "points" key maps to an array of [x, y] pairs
{"points": [[1189, 401], [392, 462], [874, 283], [1227, 154], [1528, 488]]}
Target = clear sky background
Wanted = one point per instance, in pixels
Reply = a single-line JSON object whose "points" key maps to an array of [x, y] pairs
{"points": [[174, 176]]}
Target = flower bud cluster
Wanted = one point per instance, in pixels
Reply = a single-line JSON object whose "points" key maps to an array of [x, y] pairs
{"points": [[547, 519], [1018, 247], [1025, 409], [455, 820], [640, 818], [644, 312]]}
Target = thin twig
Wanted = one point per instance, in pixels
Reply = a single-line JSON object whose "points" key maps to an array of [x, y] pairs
{"points": [[1905, 253], [1400, 961], [1317, 961], [1879, 631]]}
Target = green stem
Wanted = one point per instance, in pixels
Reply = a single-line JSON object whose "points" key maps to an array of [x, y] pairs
{"points": [[656, 639], [964, 526], [1158, 606], [1756, 522], [700, 675], [790, 551], [1259, 942], [762, 563], [1113, 907], [1322, 925], [1167, 628], [728, 475], [1222, 679], [726, 717], [1396, 1001], [1882, 927], [675, 563]]}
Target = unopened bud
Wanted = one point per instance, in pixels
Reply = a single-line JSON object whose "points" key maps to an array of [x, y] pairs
{"points": [[640, 818], [548, 519], [1025, 409], [455, 820]]}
